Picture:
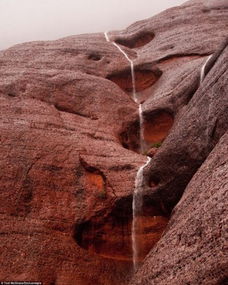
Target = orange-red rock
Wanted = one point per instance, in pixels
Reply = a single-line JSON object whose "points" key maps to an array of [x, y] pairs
{"points": [[69, 139]]}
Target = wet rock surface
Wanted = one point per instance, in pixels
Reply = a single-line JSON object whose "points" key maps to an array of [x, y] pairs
{"points": [[69, 136], [187, 147], [193, 248], [144, 78]]}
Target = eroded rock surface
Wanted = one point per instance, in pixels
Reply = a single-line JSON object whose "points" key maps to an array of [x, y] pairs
{"points": [[193, 248], [69, 134], [200, 125]]}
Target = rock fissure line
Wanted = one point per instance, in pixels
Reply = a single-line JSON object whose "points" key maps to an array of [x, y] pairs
{"points": [[67, 110], [137, 197], [179, 55]]}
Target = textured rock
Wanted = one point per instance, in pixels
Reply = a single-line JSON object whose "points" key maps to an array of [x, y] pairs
{"points": [[62, 164], [152, 151], [69, 137], [193, 250], [110, 236], [187, 147]]}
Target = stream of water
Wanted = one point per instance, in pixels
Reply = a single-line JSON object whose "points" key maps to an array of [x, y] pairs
{"points": [[137, 197], [136, 208], [202, 72], [134, 95]]}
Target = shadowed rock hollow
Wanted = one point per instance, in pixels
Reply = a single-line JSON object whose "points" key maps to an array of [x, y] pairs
{"points": [[110, 236], [136, 40], [143, 79], [70, 153], [156, 127]]}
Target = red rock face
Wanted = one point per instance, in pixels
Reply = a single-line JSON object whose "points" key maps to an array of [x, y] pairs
{"points": [[70, 144], [148, 232], [157, 126], [196, 232], [143, 79], [136, 41], [111, 236]]}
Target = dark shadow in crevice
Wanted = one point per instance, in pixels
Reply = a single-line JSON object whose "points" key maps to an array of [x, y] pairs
{"points": [[145, 77], [136, 41], [164, 185], [157, 125], [129, 136], [110, 236], [11, 94], [154, 181], [180, 55], [95, 57], [69, 110], [224, 281]]}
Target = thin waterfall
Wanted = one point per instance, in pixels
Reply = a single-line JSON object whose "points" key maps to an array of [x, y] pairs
{"points": [[202, 76], [141, 130], [137, 197], [131, 66], [136, 208], [137, 202], [202, 72]]}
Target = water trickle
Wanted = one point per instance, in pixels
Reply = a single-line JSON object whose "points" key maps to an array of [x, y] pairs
{"points": [[137, 195], [202, 72], [137, 208], [106, 36], [141, 128], [131, 65]]}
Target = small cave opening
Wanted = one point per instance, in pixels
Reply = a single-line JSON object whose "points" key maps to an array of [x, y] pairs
{"points": [[156, 127], [11, 94], [144, 78], [130, 136], [110, 236], [95, 56], [154, 181], [136, 41]]}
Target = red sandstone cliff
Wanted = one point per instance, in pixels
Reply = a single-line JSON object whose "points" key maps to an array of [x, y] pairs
{"points": [[69, 153]]}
